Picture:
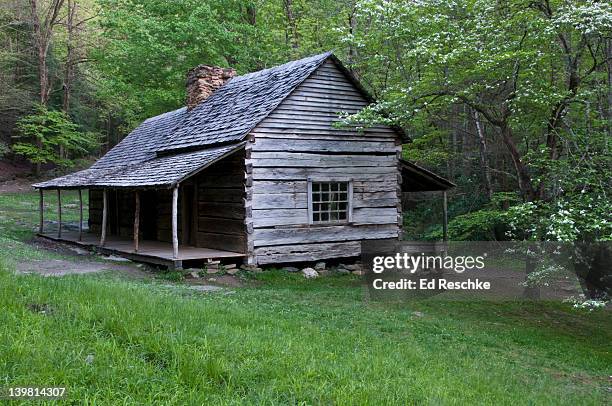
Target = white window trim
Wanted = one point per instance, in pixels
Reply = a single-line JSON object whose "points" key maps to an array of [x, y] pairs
{"points": [[349, 208]]}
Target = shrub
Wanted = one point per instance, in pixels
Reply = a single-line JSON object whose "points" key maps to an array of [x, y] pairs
{"points": [[45, 133]]}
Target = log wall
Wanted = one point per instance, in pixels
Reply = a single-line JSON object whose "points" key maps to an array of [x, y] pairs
{"points": [[221, 205], [298, 141]]}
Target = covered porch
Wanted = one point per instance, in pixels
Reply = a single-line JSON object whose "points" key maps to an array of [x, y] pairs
{"points": [[185, 207], [150, 251]]}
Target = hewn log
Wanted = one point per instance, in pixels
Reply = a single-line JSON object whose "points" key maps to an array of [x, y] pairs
{"points": [[374, 174], [136, 219], [307, 252], [175, 222], [59, 213], [294, 145], [104, 217], [80, 215], [302, 235], [41, 208], [294, 159]]}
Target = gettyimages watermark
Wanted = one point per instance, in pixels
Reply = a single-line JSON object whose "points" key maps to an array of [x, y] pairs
{"points": [[491, 271]]}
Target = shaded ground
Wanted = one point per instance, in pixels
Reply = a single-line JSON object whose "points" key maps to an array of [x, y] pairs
{"points": [[60, 267]]}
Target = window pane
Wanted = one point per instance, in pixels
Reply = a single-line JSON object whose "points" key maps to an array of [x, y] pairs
{"points": [[329, 202]]}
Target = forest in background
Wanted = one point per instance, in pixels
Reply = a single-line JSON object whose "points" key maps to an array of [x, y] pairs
{"points": [[510, 99]]}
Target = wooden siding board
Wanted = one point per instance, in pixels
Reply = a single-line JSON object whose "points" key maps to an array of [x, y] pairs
{"points": [[293, 145], [307, 252], [283, 236]]}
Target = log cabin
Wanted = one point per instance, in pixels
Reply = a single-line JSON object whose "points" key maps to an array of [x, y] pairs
{"points": [[253, 168]]}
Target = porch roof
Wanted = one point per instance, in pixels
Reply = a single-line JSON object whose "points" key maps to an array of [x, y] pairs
{"points": [[165, 171], [415, 178]]}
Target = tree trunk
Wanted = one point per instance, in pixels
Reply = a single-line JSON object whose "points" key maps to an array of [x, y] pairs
{"points": [[69, 66], [483, 154], [522, 173], [352, 52], [43, 32], [288, 4]]}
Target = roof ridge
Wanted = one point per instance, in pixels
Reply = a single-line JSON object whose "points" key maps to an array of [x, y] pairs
{"points": [[323, 55]]}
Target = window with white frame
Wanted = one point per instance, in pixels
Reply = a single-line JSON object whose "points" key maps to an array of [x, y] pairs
{"points": [[330, 201]]}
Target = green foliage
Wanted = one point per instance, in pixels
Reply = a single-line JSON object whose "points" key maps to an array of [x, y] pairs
{"points": [[172, 275], [581, 209], [150, 46], [480, 225], [45, 132], [490, 222]]}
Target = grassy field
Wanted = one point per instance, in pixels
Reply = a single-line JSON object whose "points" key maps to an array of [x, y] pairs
{"points": [[109, 339]]}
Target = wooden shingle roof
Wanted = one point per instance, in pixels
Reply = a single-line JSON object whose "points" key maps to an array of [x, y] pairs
{"points": [[155, 153], [164, 171]]}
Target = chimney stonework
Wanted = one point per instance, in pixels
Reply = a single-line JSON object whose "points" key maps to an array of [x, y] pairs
{"points": [[203, 80]]}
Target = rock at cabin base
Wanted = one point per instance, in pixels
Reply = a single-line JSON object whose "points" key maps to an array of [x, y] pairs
{"points": [[232, 271], [343, 271], [250, 268], [355, 267], [291, 269], [309, 273], [319, 266], [358, 273]]}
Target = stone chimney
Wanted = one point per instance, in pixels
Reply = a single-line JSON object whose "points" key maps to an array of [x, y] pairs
{"points": [[203, 80]]}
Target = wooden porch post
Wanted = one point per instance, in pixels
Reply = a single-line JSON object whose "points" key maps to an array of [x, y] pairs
{"points": [[80, 215], [104, 215], [445, 218], [174, 222], [41, 208], [59, 213], [136, 219]]}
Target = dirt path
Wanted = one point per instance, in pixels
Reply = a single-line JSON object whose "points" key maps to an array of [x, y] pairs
{"points": [[16, 185], [60, 267]]}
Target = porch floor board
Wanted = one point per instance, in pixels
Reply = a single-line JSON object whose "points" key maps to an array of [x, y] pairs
{"points": [[147, 248]]}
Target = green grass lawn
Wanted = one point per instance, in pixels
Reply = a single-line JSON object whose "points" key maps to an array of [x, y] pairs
{"points": [[282, 339]]}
